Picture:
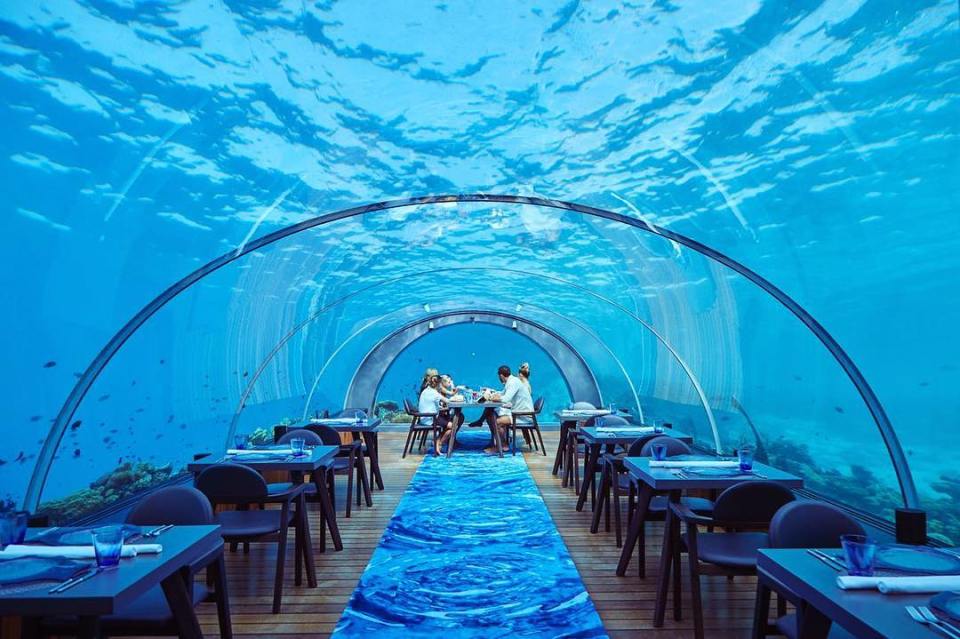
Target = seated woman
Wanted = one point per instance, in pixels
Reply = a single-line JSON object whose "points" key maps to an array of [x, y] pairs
{"points": [[427, 374], [431, 401]]}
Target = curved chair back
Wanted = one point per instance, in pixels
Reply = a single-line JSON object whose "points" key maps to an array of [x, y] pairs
{"points": [[811, 524], [751, 501], [408, 406], [328, 436], [177, 505], [674, 446], [608, 420], [583, 406], [538, 405], [635, 449], [230, 483], [309, 437]]}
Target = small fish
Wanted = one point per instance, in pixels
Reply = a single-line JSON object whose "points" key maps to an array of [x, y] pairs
{"points": [[159, 435], [103, 398], [75, 425], [183, 426], [924, 384], [797, 378], [133, 383], [838, 409], [35, 418], [245, 373], [106, 440], [77, 374], [169, 419], [76, 452], [3, 462], [162, 362], [140, 410], [50, 364]]}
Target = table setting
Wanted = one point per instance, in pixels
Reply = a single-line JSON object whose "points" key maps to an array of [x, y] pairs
{"points": [[60, 557]]}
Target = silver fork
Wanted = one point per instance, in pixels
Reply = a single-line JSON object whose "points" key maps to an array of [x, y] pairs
{"points": [[924, 616], [933, 618], [825, 558]]}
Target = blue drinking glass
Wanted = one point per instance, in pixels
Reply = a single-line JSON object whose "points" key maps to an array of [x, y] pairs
{"points": [[613, 408], [859, 553], [8, 526], [240, 442], [657, 427], [745, 455], [20, 526], [108, 544], [297, 444], [659, 451]]}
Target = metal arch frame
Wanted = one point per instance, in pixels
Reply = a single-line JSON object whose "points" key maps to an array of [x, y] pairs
{"points": [[419, 328], [581, 326], [72, 402]]}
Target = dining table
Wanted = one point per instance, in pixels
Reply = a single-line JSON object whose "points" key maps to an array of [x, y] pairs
{"points": [[571, 418], [366, 431], [597, 438], [108, 591], [318, 461], [456, 408], [820, 603]]}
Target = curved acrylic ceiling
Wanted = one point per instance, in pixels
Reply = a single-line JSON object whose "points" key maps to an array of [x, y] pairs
{"points": [[815, 143], [648, 268]]}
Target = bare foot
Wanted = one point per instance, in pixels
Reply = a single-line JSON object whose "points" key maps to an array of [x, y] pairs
{"points": [[490, 450]]}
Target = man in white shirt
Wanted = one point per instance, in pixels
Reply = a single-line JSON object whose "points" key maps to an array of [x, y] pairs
{"points": [[515, 395], [432, 402]]}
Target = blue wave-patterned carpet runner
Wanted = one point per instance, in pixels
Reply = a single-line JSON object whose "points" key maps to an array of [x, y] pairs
{"points": [[471, 552]]}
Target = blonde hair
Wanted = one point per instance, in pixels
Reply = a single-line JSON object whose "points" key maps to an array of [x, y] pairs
{"points": [[524, 373]]}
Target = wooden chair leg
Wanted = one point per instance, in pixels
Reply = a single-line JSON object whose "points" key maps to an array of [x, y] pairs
{"points": [[693, 565], [349, 500], [543, 447], [406, 446], [364, 485], [616, 510]]}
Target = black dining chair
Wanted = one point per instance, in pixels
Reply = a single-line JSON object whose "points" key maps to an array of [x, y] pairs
{"points": [[614, 482], [149, 614], [349, 463], [526, 422], [801, 524], [320, 489], [658, 505], [744, 510], [575, 446], [418, 430], [240, 486], [561, 458]]}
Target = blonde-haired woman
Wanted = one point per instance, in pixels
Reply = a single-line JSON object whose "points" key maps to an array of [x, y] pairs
{"points": [[427, 375], [524, 373]]}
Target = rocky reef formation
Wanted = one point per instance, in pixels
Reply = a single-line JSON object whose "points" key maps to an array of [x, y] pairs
{"points": [[390, 412]]}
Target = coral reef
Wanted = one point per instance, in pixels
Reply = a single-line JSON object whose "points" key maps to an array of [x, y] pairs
{"points": [[127, 479], [390, 412]]}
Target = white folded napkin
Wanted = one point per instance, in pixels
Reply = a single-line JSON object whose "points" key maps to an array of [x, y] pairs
{"points": [[583, 412], [693, 463], [624, 429], [73, 552], [902, 585], [939, 583], [846, 582], [333, 420], [261, 451]]}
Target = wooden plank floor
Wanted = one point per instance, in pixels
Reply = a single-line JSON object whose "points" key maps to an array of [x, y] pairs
{"points": [[625, 603]]}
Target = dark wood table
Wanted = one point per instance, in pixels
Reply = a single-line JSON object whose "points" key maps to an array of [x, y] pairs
{"points": [[664, 480], [111, 590], [864, 613], [320, 457], [595, 440], [368, 433], [457, 410], [569, 419]]}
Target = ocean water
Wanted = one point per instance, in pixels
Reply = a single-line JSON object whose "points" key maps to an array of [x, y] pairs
{"points": [[816, 142]]}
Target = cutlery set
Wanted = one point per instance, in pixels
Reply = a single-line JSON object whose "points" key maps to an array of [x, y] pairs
{"points": [[925, 616], [832, 562], [96, 570]]}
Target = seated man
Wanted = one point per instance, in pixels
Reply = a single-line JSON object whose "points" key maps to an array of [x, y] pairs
{"points": [[431, 401], [515, 395]]}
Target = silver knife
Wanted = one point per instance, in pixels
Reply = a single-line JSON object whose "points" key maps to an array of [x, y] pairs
{"points": [[73, 581]]}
